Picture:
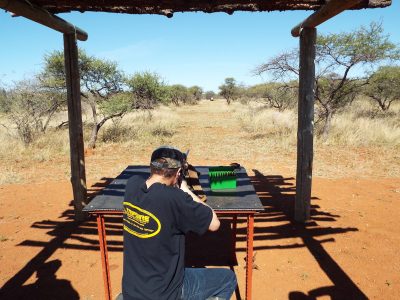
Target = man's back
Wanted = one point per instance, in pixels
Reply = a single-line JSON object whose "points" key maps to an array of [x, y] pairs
{"points": [[155, 221]]}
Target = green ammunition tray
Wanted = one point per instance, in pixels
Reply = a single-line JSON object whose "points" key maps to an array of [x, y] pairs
{"points": [[222, 178]]}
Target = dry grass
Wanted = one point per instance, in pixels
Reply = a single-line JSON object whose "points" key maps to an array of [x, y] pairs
{"points": [[362, 125], [362, 142], [143, 127], [347, 130], [276, 130], [9, 175], [52, 144]]}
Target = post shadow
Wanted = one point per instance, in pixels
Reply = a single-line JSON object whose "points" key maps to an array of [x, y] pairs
{"points": [[47, 286], [61, 230], [38, 263], [278, 195]]}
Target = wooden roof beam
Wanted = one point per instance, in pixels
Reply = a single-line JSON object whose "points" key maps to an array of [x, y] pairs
{"points": [[329, 10], [42, 16]]}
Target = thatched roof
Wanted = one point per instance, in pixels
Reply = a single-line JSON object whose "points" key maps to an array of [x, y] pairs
{"points": [[168, 7]]}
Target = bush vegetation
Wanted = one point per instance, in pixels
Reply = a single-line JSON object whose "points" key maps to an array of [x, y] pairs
{"points": [[337, 55], [120, 108]]}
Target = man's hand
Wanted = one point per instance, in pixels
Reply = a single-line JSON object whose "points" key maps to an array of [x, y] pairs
{"points": [[214, 225], [184, 186]]}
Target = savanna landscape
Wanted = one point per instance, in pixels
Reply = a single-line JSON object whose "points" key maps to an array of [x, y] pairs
{"points": [[349, 246], [347, 250]]}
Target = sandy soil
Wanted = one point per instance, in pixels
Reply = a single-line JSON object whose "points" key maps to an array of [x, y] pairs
{"points": [[347, 251]]}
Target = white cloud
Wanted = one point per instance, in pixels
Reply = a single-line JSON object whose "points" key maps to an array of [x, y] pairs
{"points": [[140, 49]]}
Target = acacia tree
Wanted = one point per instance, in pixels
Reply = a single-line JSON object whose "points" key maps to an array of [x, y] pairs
{"points": [[336, 56], [101, 83], [229, 90], [274, 94], [147, 90], [4, 104], [178, 93], [196, 93], [384, 86], [209, 95], [29, 108]]}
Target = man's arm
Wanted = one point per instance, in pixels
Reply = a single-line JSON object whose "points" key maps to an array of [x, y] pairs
{"points": [[214, 225]]}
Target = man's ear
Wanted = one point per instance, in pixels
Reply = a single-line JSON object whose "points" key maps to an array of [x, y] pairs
{"points": [[179, 172]]}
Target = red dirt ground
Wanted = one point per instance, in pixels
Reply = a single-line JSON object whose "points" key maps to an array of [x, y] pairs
{"points": [[348, 250]]}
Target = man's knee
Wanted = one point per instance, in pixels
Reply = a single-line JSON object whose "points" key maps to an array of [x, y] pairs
{"points": [[119, 297], [231, 277], [229, 283]]}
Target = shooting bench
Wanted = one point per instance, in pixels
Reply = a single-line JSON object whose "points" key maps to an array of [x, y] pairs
{"points": [[241, 201]]}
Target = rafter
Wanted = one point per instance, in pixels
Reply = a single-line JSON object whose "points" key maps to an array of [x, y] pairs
{"points": [[169, 7], [329, 10], [42, 16]]}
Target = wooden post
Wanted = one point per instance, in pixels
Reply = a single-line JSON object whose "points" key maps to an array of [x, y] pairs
{"points": [[41, 16], [305, 129], [78, 176]]}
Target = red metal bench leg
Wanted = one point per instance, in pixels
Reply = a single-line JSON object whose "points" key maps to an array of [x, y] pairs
{"points": [[249, 256], [234, 230], [104, 256]]}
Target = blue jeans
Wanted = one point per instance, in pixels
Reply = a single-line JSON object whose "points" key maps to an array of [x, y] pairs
{"points": [[201, 283]]}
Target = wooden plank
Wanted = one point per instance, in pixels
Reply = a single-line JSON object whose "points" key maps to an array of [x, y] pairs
{"points": [[329, 10], [305, 131], [42, 16], [167, 8], [78, 176]]}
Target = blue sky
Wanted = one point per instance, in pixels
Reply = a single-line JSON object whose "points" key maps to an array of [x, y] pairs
{"points": [[190, 48]]}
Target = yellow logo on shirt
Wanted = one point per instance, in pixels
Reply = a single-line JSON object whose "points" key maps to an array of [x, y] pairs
{"points": [[140, 222]]}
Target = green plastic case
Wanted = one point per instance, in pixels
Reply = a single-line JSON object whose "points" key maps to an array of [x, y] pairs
{"points": [[222, 178]]}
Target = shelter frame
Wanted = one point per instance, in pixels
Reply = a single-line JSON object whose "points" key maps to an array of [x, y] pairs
{"points": [[307, 32], [42, 11]]}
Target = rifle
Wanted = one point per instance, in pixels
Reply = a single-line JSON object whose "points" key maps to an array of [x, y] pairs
{"points": [[190, 174], [183, 174]]}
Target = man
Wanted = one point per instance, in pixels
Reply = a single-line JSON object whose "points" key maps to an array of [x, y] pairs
{"points": [[157, 215]]}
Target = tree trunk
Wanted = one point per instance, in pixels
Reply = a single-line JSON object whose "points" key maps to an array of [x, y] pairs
{"points": [[150, 115], [385, 104], [95, 128], [46, 124], [327, 124], [93, 137], [175, 101]]}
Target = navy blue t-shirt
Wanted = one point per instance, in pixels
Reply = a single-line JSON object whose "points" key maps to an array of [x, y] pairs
{"points": [[155, 223]]}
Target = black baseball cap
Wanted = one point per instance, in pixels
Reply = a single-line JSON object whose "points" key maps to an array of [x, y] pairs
{"points": [[167, 157]]}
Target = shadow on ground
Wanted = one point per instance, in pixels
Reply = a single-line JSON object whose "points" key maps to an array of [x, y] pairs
{"points": [[64, 233], [277, 196]]}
